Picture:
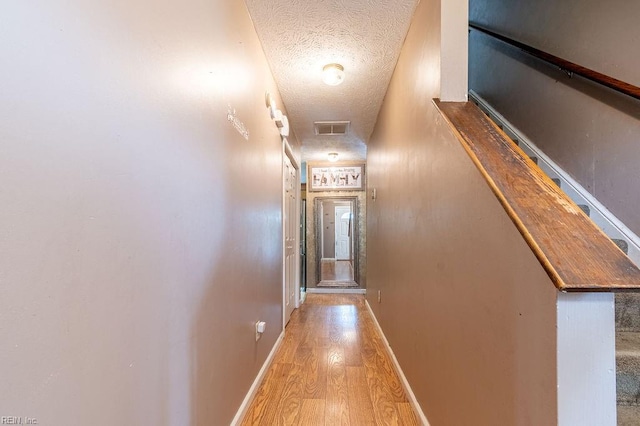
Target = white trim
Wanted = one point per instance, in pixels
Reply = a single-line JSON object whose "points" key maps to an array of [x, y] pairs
{"points": [[454, 50], [297, 165], [586, 368], [600, 215], [405, 383], [248, 399], [283, 236], [288, 152], [311, 290]]}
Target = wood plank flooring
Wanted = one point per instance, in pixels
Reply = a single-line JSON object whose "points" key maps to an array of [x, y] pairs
{"points": [[336, 270], [331, 369]]}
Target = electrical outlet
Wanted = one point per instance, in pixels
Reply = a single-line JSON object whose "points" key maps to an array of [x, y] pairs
{"points": [[260, 327], [379, 296]]}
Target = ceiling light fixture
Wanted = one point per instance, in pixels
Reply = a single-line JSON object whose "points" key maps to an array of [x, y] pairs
{"points": [[333, 74], [333, 157]]}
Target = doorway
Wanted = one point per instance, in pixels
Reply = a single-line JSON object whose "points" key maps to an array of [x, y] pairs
{"points": [[303, 248], [337, 242], [290, 224], [343, 230]]}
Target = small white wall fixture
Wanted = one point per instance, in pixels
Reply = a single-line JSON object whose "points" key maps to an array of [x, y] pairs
{"points": [[281, 121]]}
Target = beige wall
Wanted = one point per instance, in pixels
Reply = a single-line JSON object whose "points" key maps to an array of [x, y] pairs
{"points": [[466, 307], [140, 234], [589, 131]]}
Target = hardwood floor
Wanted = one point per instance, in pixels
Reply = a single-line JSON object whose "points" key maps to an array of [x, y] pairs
{"points": [[336, 270], [331, 369]]}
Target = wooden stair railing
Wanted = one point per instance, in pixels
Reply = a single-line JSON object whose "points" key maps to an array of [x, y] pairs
{"points": [[567, 66], [574, 252]]}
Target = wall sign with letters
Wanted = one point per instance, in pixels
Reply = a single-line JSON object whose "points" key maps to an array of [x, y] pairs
{"points": [[342, 177]]}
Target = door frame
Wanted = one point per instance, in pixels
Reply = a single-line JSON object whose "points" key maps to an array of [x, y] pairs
{"points": [[288, 152], [338, 221], [355, 237]]}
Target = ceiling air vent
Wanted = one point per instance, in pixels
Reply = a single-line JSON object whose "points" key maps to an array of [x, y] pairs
{"points": [[331, 128]]}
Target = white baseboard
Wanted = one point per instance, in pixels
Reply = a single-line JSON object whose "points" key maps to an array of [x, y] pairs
{"points": [[330, 290], [405, 383], [242, 411]]}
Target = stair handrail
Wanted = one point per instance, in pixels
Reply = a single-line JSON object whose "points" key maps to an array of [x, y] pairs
{"points": [[567, 66], [604, 218], [576, 254]]}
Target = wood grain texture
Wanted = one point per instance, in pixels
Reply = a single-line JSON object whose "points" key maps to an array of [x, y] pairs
{"points": [[331, 369], [406, 415], [360, 403], [290, 402], [337, 407], [264, 412], [312, 412], [315, 380], [575, 253]]}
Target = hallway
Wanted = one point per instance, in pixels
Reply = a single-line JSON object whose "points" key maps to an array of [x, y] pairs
{"points": [[331, 369]]}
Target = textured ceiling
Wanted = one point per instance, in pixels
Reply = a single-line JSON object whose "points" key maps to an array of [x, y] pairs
{"points": [[299, 37]]}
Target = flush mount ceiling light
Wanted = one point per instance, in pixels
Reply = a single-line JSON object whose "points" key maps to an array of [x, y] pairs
{"points": [[333, 157], [333, 74]]}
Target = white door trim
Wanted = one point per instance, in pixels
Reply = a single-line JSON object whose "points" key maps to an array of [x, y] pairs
{"points": [[288, 152]]}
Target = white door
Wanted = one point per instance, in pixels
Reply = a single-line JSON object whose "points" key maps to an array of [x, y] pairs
{"points": [[290, 237], [343, 232]]}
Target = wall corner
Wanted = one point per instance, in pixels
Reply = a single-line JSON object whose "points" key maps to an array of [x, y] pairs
{"points": [[454, 47]]}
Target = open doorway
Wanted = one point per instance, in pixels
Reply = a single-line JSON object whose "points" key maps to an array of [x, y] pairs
{"points": [[337, 241]]}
